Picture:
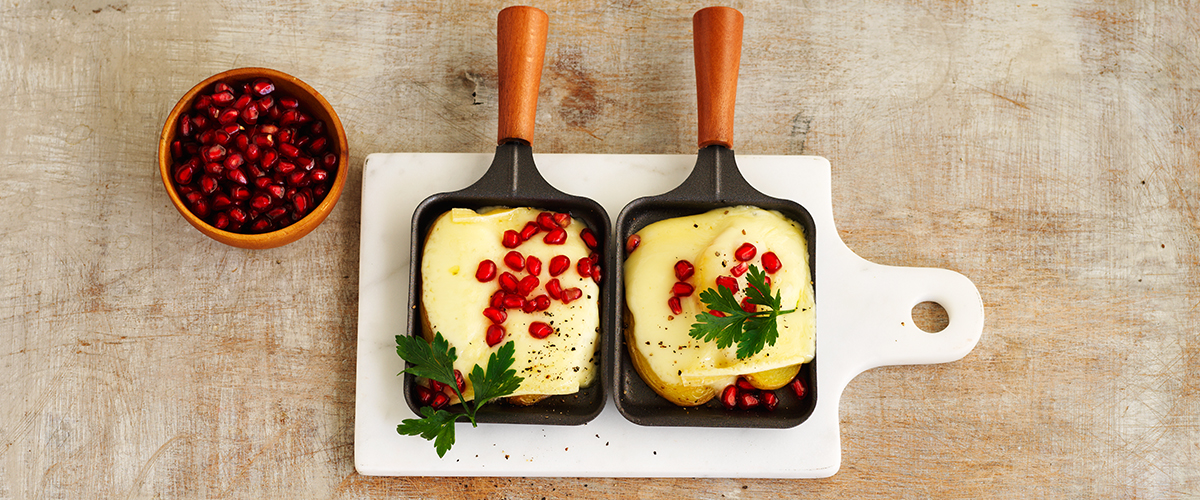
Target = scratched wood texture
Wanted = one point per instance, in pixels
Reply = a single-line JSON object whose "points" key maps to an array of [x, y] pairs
{"points": [[1047, 151]]}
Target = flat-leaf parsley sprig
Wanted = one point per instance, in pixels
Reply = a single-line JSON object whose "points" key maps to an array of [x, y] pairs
{"points": [[751, 331], [435, 361]]}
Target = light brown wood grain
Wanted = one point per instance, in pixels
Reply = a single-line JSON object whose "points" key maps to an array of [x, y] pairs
{"points": [[1048, 151]]}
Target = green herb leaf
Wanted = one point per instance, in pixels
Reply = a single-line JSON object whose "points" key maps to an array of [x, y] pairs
{"points": [[436, 361], [752, 332]]}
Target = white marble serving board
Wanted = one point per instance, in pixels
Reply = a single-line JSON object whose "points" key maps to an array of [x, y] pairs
{"points": [[863, 321]]}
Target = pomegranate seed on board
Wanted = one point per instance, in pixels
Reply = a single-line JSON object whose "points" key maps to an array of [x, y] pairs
{"points": [[263, 86], [424, 395], [514, 260], [436, 386], [559, 264], [571, 294], [771, 262], [485, 272], [459, 381], [589, 238], [770, 400], [540, 330], [261, 225], [236, 175], [533, 265], [596, 273], [222, 97], [557, 236], [260, 202], [495, 334], [511, 239], [289, 102], [240, 193], [439, 401], [632, 243], [184, 174], [747, 306], [729, 397], [221, 202], [716, 313], [497, 300], [747, 400], [745, 252], [508, 282], [675, 305], [738, 270], [230, 115], [545, 221], [512, 301], [317, 145], [684, 270], [728, 282], [584, 267], [798, 388], [530, 229], [563, 220], [541, 302], [529, 306], [745, 385], [554, 288], [495, 315], [527, 284], [681, 289]]}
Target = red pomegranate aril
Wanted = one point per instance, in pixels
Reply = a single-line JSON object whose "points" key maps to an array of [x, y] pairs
{"points": [[287, 136], [771, 262], [220, 202], [545, 220], [563, 220], [559, 264], [302, 203], [728, 282], [496, 315], [596, 274], [632, 243], [556, 236], [675, 305], [176, 148], [200, 208], [261, 225], [436, 386], [554, 288], [285, 167], [528, 306], [202, 102], [440, 400], [250, 115], [208, 184], [589, 238], [207, 137], [729, 397], [289, 117], [265, 103], [241, 102], [185, 127], [684, 270], [571, 294], [242, 141], [512, 301], [514, 260], [236, 175], [192, 196], [317, 128], [497, 299], [329, 160], [424, 395], [269, 158], [533, 265], [681, 289], [770, 400], [747, 306], [716, 313], [738, 270], [747, 400], [289, 150], [220, 137], [318, 145], [275, 190], [584, 267], [745, 252], [511, 239], [234, 160], [745, 385], [221, 221], [214, 153], [527, 285], [289, 102], [184, 173], [297, 178], [277, 212], [222, 98], [530, 229], [459, 381], [263, 86], [237, 215], [240, 193], [260, 202], [540, 330], [541, 302], [274, 113], [495, 334], [798, 388], [486, 271], [508, 282], [263, 140]]}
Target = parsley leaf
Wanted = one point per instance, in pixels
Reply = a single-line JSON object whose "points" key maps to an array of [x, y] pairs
{"points": [[751, 331], [436, 361]]}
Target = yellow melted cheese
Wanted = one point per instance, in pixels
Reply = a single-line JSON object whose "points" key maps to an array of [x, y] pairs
{"points": [[454, 300], [708, 241]]}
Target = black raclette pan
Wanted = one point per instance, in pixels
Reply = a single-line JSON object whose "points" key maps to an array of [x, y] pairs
{"points": [[715, 182], [513, 180]]}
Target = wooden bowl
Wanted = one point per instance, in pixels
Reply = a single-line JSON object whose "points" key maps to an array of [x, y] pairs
{"points": [[310, 100]]}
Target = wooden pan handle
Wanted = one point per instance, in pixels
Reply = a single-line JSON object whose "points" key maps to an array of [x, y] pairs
{"points": [[520, 50], [717, 41]]}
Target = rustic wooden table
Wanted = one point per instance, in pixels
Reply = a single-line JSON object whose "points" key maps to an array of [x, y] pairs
{"points": [[1047, 151]]}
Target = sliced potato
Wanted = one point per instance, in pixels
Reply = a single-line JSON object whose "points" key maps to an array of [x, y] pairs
{"points": [[769, 380]]}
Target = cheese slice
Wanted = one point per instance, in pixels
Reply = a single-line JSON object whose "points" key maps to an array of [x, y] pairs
{"points": [[708, 241], [453, 300]]}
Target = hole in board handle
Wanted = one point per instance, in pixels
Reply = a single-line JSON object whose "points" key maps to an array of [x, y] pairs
{"points": [[930, 317]]}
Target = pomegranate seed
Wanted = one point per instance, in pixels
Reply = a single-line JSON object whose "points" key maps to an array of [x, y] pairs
{"points": [[263, 86], [208, 184], [318, 145], [514, 260], [424, 395], [545, 220], [589, 238], [459, 381], [263, 140], [329, 160], [297, 178], [193, 197], [511, 239], [236, 175], [738, 270], [269, 157], [220, 202], [747, 306], [436, 386], [439, 401], [289, 117], [729, 397], [242, 141], [250, 115], [265, 103], [684, 270], [260, 202], [559, 264], [554, 288], [681, 289], [675, 305], [234, 160], [770, 400], [486, 271], [241, 102], [221, 221], [183, 174], [200, 208], [275, 190], [289, 102], [302, 203], [496, 315], [202, 102], [222, 98], [261, 225], [508, 282], [495, 334], [317, 128], [541, 302], [540, 330], [632, 243], [289, 150], [220, 137], [747, 400], [528, 306], [771, 262], [716, 313], [596, 273], [571, 294], [240, 193], [277, 212], [237, 215], [584, 266], [745, 385], [214, 153], [186, 127], [527, 285], [531, 228], [563, 220], [745, 252], [497, 299], [798, 387], [557, 236], [728, 282], [533, 265], [176, 149], [513, 301], [285, 167]]}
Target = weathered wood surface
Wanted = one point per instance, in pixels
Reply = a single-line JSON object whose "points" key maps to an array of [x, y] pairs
{"points": [[1048, 151]]}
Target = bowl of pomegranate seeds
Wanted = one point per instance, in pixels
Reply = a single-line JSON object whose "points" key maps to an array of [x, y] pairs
{"points": [[253, 158]]}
